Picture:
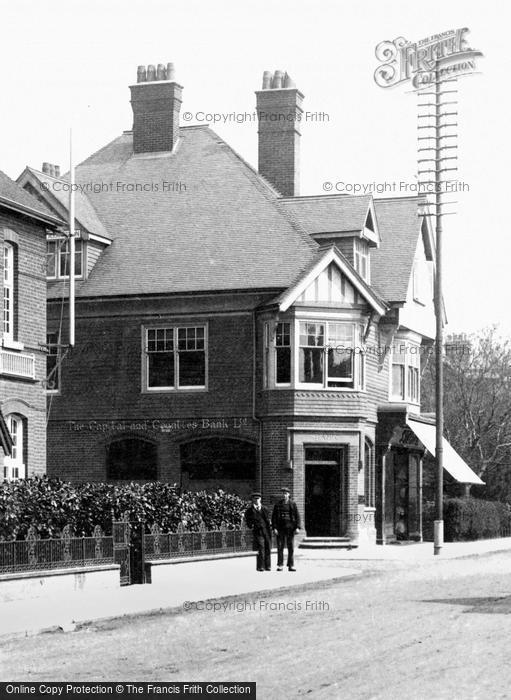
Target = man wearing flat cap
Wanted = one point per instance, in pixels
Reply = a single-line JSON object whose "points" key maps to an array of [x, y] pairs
{"points": [[258, 520], [285, 521]]}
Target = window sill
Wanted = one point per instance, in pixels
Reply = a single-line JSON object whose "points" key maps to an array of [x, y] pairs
{"points": [[315, 387], [163, 390], [12, 344]]}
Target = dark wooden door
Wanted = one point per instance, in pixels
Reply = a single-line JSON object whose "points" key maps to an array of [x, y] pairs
{"points": [[322, 499]]}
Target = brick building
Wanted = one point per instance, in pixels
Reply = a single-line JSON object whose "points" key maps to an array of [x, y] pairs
{"points": [[24, 224], [230, 333]]}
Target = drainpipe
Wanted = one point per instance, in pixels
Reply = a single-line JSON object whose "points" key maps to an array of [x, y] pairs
{"points": [[254, 388]]}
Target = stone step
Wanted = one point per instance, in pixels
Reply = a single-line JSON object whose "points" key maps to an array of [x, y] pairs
{"points": [[326, 539], [326, 543]]}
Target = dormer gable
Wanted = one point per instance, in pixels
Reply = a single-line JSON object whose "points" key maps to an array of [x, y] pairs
{"points": [[348, 222], [330, 281], [91, 235]]}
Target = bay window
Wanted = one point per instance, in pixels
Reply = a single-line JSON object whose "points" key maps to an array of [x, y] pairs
{"points": [[319, 354], [176, 358], [331, 354]]}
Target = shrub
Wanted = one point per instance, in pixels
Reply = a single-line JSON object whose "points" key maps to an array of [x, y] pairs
{"points": [[469, 519], [51, 504]]}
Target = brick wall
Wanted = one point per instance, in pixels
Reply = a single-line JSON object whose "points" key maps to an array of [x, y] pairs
{"points": [[101, 393], [21, 396]]}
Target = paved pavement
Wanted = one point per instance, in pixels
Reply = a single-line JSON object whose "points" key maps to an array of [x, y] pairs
{"points": [[208, 580]]}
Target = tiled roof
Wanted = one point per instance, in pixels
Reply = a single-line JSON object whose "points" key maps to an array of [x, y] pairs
{"points": [[85, 213], [398, 225], [12, 193], [392, 262], [199, 218], [329, 213]]}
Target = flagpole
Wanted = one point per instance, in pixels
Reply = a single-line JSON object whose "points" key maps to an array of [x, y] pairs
{"points": [[71, 243]]}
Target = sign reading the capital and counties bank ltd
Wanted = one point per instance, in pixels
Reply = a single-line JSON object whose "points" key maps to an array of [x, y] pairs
{"points": [[161, 426], [403, 60]]}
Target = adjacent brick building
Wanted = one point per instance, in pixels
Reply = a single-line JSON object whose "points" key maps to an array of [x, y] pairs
{"points": [[233, 334], [24, 224]]}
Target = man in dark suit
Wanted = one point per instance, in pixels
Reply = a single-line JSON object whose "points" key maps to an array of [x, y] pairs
{"points": [[258, 520], [285, 521]]}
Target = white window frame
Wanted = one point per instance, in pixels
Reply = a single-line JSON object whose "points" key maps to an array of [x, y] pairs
{"points": [[14, 466], [361, 258], [409, 352], [174, 327], [60, 243], [9, 301], [359, 357], [275, 346]]}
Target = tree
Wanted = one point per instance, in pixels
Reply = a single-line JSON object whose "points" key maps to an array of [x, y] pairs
{"points": [[477, 404]]}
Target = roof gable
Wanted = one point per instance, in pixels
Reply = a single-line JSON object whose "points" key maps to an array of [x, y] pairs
{"points": [[330, 286], [400, 223], [53, 191], [331, 216], [15, 197], [332, 280]]}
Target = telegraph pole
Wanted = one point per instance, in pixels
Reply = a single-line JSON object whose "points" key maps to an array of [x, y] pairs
{"points": [[439, 140], [71, 245], [439, 373]]}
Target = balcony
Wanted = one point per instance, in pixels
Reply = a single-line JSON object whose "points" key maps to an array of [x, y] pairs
{"points": [[17, 364]]}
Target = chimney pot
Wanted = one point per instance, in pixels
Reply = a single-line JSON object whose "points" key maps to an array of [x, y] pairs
{"points": [[277, 80], [171, 74], [141, 74], [57, 171], [156, 104], [46, 168], [266, 80], [288, 82]]}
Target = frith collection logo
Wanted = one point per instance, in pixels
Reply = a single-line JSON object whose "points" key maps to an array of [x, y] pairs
{"points": [[402, 60]]}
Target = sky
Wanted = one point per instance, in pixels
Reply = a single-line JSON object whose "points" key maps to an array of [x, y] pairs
{"points": [[69, 64]]}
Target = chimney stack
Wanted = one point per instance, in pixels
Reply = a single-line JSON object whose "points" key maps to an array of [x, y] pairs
{"points": [[156, 103], [279, 109], [51, 170]]}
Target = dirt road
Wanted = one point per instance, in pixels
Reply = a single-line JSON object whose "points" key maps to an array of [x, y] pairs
{"points": [[440, 630]]}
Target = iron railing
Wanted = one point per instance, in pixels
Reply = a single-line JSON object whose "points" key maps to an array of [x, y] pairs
{"points": [[123, 548], [33, 554], [186, 543]]}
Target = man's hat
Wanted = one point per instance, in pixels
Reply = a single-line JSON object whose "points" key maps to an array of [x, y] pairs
{"points": [[255, 495], [285, 490]]}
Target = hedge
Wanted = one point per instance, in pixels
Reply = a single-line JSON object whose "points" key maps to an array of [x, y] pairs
{"points": [[51, 504], [469, 519]]}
